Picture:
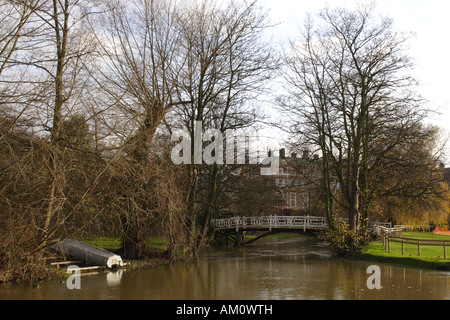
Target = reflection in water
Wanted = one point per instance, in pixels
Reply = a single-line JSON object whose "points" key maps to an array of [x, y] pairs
{"points": [[296, 268], [113, 278]]}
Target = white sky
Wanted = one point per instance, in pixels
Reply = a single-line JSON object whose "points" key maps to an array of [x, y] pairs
{"points": [[429, 20]]}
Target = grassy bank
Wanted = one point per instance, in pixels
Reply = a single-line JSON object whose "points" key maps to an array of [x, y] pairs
{"points": [[431, 257]]}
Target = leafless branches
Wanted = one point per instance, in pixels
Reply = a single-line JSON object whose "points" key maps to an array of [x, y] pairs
{"points": [[351, 97]]}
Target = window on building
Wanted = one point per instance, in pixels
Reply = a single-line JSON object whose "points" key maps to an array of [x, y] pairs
{"points": [[293, 202], [305, 201]]}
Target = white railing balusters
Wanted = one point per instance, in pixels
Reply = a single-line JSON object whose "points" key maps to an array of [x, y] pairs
{"points": [[297, 222], [270, 222]]}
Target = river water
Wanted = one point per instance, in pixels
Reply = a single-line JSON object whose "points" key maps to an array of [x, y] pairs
{"points": [[297, 268]]}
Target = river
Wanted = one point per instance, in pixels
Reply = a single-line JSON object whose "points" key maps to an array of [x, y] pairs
{"points": [[295, 268]]}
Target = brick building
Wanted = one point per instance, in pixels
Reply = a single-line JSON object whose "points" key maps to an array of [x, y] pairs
{"points": [[296, 184], [292, 191]]}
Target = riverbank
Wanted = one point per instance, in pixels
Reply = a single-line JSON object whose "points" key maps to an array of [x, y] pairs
{"points": [[41, 270], [430, 258]]}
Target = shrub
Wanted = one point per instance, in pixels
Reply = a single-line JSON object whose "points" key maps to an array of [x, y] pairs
{"points": [[343, 240]]}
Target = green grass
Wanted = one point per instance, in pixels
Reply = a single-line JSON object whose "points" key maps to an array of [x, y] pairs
{"points": [[157, 243], [425, 235], [431, 257], [114, 244], [426, 252], [107, 243]]}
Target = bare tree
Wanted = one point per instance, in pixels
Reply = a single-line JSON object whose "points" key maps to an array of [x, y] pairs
{"points": [[228, 64], [141, 60], [140, 49], [352, 97], [49, 59], [62, 19], [16, 26], [14, 18]]}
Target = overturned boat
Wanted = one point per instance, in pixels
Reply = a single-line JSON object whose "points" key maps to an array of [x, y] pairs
{"points": [[87, 253]]}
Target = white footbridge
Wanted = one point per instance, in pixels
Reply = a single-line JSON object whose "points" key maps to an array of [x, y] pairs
{"points": [[269, 223]]}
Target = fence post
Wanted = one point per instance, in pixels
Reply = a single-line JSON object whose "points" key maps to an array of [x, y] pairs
{"points": [[403, 251], [418, 247], [445, 251]]}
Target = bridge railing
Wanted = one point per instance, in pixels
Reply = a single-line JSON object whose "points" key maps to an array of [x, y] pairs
{"points": [[269, 222], [305, 222]]}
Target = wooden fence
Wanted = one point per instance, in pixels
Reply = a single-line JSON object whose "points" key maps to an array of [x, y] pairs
{"points": [[387, 238]]}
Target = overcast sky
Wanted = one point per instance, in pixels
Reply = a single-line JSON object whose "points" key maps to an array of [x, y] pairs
{"points": [[429, 20]]}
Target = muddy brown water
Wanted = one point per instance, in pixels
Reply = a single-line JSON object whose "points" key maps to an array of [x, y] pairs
{"points": [[298, 268]]}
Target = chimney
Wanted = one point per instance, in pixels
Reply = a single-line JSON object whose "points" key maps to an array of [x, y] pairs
{"points": [[305, 154], [282, 153], [294, 155], [316, 157]]}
